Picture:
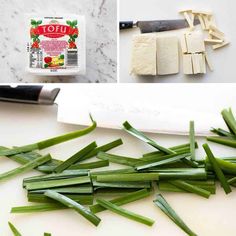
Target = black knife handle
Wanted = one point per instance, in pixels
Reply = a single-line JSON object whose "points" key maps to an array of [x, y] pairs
{"points": [[126, 25], [34, 94]]}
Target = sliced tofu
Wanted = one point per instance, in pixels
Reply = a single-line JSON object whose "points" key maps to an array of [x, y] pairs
{"points": [[213, 41], [200, 17], [195, 42], [208, 62], [220, 45], [167, 55], [187, 64], [199, 64], [183, 44], [189, 16], [143, 60]]}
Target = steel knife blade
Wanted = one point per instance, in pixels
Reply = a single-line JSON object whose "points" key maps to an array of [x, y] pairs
{"points": [[157, 25]]}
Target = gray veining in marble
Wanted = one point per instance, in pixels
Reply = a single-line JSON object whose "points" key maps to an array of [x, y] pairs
{"points": [[101, 21]]}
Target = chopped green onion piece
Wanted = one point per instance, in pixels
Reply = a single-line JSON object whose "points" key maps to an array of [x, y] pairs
{"points": [[64, 175], [227, 141], [103, 148], [169, 211], [38, 208], [75, 158], [176, 149], [169, 159], [24, 168], [144, 138], [219, 173], [128, 161], [192, 140], [57, 183], [49, 142], [128, 177], [222, 132], [14, 229], [123, 212], [69, 190], [229, 120], [47, 234], [86, 213], [191, 188], [130, 197], [41, 198], [108, 172]]}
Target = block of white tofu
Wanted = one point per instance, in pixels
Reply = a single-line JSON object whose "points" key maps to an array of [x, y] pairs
{"points": [[167, 55], [187, 64], [199, 64], [183, 44], [195, 42], [143, 60]]}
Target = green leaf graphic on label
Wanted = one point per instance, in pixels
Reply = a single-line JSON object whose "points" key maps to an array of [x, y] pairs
{"points": [[75, 22], [39, 22], [62, 57], [46, 65], [33, 22]]}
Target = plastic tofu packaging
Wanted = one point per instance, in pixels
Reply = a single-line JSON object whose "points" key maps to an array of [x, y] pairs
{"points": [[56, 45]]}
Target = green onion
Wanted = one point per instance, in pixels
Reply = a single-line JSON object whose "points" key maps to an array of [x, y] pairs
{"points": [[229, 120], [169, 211], [37, 208], [226, 166], [191, 188], [128, 177], [135, 185], [64, 175], [47, 234], [108, 172], [217, 169], [14, 230], [49, 142], [222, 132], [176, 149], [227, 141], [24, 168], [144, 138], [128, 161], [57, 183], [130, 197], [169, 159], [41, 198], [128, 214], [192, 140], [73, 205], [76, 157], [168, 187], [103, 148], [70, 190]]}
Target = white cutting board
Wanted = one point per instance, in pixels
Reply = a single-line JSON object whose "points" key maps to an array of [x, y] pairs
{"points": [[222, 59], [23, 124]]}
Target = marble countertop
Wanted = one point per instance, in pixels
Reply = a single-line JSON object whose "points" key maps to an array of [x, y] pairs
{"points": [[101, 39]]}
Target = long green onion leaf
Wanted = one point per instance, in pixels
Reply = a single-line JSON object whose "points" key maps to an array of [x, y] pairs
{"points": [[49, 142]]}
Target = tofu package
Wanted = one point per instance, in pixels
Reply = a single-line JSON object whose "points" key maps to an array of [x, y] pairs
{"points": [[155, 55], [56, 45]]}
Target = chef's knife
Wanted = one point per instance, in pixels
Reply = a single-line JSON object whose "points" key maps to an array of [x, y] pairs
{"points": [[157, 25], [146, 108]]}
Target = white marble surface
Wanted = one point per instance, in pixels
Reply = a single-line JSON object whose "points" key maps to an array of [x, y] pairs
{"points": [[101, 38], [223, 60]]}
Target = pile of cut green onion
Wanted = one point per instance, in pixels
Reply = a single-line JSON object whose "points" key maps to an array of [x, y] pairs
{"points": [[77, 184]]}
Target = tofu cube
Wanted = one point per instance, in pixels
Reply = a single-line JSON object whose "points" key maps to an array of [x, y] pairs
{"points": [[167, 55], [195, 42], [187, 64], [199, 64], [143, 60]]}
